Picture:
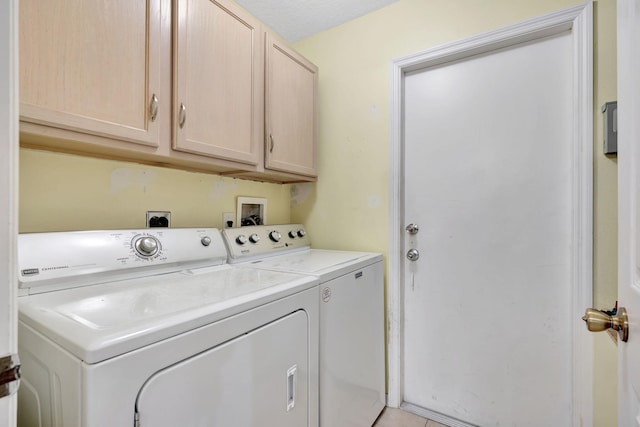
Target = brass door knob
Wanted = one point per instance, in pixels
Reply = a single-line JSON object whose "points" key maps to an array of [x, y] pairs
{"points": [[598, 321]]}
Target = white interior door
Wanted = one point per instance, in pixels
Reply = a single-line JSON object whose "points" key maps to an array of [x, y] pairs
{"points": [[629, 208], [8, 191], [490, 181]]}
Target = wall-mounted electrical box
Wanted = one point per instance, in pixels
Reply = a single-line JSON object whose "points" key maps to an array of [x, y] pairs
{"points": [[610, 116], [251, 211]]}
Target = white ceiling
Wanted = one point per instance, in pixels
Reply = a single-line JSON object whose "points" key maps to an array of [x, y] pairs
{"points": [[294, 20]]}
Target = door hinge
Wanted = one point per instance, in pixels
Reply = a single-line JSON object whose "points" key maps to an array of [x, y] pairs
{"points": [[9, 374]]}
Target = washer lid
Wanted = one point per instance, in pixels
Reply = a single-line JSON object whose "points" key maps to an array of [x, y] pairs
{"points": [[102, 321], [325, 264]]}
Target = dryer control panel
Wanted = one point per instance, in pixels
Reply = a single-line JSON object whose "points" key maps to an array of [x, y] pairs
{"points": [[246, 243]]}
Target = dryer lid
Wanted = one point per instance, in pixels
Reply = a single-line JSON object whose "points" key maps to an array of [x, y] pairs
{"points": [[326, 264]]}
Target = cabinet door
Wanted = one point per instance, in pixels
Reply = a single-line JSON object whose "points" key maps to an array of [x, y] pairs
{"points": [[291, 96], [257, 379], [92, 66], [217, 81]]}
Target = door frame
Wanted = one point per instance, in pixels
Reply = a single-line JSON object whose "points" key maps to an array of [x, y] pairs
{"points": [[628, 16], [578, 20], [9, 124]]}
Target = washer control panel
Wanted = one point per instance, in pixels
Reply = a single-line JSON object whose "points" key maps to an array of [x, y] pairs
{"points": [[146, 246], [249, 242], [65, 258]]}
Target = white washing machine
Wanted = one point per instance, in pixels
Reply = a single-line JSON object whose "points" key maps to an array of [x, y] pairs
{"points": [[352, 352], [154, 328]]}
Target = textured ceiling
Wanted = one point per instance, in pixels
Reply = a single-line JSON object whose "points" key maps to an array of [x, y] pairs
{"points": [[294, 20]]}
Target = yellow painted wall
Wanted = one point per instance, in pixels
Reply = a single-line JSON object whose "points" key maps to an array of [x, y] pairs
{"points": [[60, 192], [348, 207]]}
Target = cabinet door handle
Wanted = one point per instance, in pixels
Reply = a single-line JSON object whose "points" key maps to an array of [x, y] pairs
{"points": [[182, 116], [153, 107], [271, 143]]}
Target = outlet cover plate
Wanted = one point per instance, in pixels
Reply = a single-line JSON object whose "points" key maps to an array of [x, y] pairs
{"points": [[228, 217]]}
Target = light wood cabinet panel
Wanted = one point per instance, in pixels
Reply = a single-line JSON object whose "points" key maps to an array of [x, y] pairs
{"points": [[90, 69], [291, 97], [91, 66], [218, 81]]}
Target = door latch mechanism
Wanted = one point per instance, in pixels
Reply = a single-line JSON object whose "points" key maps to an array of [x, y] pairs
{"points": [[413, 254], [9, 374], [412, 228]]}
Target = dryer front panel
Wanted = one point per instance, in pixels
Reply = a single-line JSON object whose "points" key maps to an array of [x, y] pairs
{"points": [[260, 378], [352, 378]]}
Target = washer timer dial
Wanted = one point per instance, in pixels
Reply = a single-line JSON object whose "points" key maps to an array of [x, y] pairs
{"points": [[146, 246]]}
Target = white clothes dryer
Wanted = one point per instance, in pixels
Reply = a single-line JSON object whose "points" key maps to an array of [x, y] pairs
{"points": [[352, 351], [154, 328]]}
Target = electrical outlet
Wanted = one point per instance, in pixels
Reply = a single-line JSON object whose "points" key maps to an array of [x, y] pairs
{"points": [[228, 218], [158, 219]]}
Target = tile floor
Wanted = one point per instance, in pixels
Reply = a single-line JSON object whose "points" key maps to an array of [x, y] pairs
{"points": [[391, 417]]}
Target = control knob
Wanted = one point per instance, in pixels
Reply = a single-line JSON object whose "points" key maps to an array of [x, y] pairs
{"points": [[254, 238], [146, 246], [293, 234], [206, 241], [275, 236], [302, 233], [241, 239]]}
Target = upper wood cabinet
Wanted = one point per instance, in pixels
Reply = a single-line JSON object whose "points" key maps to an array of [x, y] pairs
{"points": [[218, 81], [192, 84], [290, 106], [92, 67]]}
